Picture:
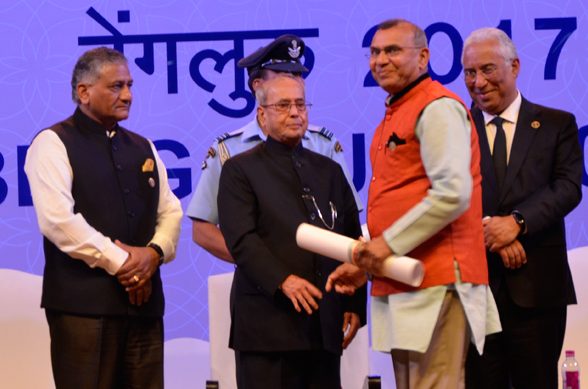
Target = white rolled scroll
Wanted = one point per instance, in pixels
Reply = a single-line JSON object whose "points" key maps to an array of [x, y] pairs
{"points": [[320, 241]]}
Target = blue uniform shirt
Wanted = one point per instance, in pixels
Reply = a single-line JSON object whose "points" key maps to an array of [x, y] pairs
{"points": [[203, 204]]}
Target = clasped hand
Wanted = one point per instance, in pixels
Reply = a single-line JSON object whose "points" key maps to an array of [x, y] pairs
{"points": [[135, 274], [500, 236]]}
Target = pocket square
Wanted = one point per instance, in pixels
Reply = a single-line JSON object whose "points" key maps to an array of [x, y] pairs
{"points": [[148, 165]]}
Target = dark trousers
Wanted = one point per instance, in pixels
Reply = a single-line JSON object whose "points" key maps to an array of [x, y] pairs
{"points": [[525, 354], [106, 352], [288, 370]]}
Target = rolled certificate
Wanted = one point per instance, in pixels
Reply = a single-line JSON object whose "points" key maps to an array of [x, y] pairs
{"points": [[320, 241]]}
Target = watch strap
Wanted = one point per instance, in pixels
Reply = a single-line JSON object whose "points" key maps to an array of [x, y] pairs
{"points": [[158, 250]]}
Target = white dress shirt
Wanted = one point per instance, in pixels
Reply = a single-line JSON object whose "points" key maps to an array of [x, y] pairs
{"points": [[510, 116], [50, 177]]}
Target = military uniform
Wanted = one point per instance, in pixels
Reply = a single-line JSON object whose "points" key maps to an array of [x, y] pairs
{"points": [[203, 205]]}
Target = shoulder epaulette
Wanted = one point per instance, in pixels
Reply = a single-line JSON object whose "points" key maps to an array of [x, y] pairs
{"points": [[228, 135], [223, 151], [323, 132]]}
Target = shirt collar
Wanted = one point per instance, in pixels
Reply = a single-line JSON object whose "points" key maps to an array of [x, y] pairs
{"points": [[510, 114]]}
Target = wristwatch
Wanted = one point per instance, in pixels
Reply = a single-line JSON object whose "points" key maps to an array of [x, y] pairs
{"points": [[159, 252], [520, 220]]}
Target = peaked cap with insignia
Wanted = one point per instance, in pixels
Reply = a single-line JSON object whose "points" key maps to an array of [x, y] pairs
{"points": [[281, 55]]}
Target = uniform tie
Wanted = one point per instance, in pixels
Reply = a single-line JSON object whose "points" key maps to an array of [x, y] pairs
{"points": [[499, 151]]}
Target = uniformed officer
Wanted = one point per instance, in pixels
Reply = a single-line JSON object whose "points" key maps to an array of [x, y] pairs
{"points": [[280, 56]]}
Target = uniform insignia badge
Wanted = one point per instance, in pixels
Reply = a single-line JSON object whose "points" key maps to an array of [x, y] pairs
{"points": [[338, 147], [151, 182], [223, 153], [326, 133], [394, 141], [148, 165], [211, 153], [535, 124], [204, 165], [294, 51]]}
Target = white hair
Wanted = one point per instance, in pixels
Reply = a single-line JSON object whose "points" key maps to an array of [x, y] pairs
{"points": [[506, 47]]}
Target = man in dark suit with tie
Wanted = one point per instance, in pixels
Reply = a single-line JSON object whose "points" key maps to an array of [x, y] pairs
{"points": [[532, 168]]}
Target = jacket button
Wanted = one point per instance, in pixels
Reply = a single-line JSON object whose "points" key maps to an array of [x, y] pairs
{"points": [[312, 216], [306, 189]]}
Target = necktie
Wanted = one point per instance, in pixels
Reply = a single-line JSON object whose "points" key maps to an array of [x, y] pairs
{"points": [[499, 151]]}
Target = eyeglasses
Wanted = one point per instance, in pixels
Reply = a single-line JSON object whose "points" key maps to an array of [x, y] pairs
{"points": [[285, 106], [390, 51], [318, 211], [488, 72]]}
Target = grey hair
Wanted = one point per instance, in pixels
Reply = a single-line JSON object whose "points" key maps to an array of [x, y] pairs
{"points": [[506, 47], [420, 38], [261, 91], [87, 68]]}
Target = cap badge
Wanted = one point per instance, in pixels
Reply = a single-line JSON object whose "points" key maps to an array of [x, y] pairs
{"points": [[294, 51]]}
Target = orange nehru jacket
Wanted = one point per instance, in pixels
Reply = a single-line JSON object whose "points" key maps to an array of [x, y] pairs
{"points": [[400, 182]]}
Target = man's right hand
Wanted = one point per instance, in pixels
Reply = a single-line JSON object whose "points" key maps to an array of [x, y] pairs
{"points": [[371, 255], [346, 279], [301, 293]]}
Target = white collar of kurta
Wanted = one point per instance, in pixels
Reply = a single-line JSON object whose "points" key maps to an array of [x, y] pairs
{"points": [[510, 114]]}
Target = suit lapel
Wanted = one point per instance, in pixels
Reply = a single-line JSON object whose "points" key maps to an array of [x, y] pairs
{"points": [[523, 137], [487, 165], [489, 186]]}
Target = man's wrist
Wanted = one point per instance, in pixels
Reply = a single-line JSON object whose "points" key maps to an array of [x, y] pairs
{"points": [[159, 252], [520, 220]]}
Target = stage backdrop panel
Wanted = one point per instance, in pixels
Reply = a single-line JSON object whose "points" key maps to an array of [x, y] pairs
{"points": [[188, 90]]}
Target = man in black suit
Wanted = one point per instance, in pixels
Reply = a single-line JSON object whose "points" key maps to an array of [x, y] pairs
{"points": [[286, 329], [532, 169]]}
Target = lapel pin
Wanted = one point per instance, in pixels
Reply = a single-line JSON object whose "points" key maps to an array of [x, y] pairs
{"points": [[151, 182], [535, 124]]}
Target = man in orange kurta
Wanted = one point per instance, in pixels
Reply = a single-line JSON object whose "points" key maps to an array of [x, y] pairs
{"points": [[424, 201]]}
